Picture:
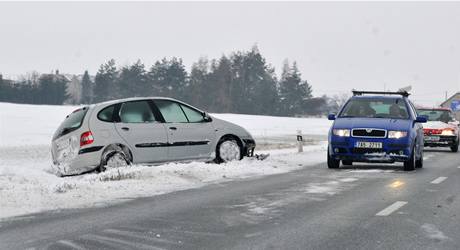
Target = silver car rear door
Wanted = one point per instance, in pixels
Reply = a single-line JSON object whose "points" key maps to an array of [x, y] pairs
{"points": [[141, 129]]}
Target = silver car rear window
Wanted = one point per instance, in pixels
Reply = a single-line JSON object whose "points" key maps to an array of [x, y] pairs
{"points": [[72, 122]]}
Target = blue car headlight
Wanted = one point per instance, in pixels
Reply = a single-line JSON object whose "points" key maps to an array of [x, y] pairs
{"points": [[395, 134], [341, 132]]}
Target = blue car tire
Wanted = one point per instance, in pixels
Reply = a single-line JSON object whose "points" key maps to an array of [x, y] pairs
{"points": [[409, 165], [331, 162]]}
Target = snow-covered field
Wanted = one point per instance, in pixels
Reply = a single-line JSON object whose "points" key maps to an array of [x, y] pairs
{"points": [[28, 185]]}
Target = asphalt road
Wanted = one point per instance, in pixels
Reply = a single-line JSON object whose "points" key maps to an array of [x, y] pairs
{"points": [[358, 207]]}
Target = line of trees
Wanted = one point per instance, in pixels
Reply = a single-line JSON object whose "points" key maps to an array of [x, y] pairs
{"points": [[35, 89], [242, 82]]}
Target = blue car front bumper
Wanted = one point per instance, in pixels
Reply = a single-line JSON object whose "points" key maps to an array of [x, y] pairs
{"points": [[393, 150]]}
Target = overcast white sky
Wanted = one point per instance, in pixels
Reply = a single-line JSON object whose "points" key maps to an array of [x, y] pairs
{"points": [[338, 46]]}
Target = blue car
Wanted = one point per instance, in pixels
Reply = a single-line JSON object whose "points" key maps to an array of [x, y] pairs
{"points": [[376, 127]]}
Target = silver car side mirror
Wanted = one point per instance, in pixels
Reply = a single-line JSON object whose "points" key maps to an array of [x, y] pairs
{"points": [[206, 117]]}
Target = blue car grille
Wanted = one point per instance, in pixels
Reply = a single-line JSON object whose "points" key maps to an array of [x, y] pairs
{"points": [[366, 150], [369, 132]]}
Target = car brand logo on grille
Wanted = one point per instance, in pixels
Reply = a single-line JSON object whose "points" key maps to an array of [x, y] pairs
{"points": [[368, 130]]}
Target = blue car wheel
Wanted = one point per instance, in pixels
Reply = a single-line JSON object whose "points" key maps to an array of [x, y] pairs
{"points": [[331, 162], [409, 165]]}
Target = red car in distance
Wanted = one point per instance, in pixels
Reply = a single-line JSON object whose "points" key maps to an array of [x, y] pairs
{"points": [[442, 129]]}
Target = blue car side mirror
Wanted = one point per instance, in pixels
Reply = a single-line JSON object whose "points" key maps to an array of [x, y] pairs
{"points": [[331, 117], [421, 119]]}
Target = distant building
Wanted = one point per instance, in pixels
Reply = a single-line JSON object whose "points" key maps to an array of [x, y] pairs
{"points": [[5, 81], [453, 103]]}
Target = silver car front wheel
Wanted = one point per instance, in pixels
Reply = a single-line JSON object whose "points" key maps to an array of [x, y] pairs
{"points": [[229, 150]]}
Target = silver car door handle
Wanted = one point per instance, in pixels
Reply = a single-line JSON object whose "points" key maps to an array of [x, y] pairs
{"points": [[125, 128]]}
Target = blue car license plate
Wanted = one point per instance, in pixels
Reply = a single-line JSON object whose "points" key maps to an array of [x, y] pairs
{"points": [[368, 144]]}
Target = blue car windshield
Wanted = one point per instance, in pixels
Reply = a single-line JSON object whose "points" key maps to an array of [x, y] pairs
{"points": [[392, 108]]}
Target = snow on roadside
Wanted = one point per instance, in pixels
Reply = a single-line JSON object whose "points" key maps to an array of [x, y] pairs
{"points": [[28, 190], [27, 184], [23, 124], [267, 126]]}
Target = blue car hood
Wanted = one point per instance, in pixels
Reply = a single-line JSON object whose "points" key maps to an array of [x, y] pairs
{"points": [[382, 123]]}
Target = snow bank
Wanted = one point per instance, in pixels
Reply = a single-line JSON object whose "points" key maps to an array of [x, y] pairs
{"points": [[269, 126], [22, 124], [28, 185]]}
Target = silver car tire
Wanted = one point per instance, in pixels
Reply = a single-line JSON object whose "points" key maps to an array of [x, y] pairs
{"points": [[228, 150]]}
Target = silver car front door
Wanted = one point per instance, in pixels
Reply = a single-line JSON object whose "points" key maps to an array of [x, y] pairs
{"points": [[189, 135], [145, 135]]}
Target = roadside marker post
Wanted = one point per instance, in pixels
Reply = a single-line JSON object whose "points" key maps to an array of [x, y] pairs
{"points": [[299, 141]]}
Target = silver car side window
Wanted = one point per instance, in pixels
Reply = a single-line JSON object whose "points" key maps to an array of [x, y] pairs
{"points": [[192, 115], [136, 112], [171, 111], [106, 114]]}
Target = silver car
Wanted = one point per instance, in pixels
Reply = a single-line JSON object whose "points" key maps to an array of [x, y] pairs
{"points": [[147, 131]]}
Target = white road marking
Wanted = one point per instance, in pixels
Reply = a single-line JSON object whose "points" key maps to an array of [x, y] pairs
{"points": [[390, 209], [438, 180], [70, 244]]}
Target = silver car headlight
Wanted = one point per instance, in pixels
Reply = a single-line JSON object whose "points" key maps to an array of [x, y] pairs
{"points": [[395, 134], [341, 132]]}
